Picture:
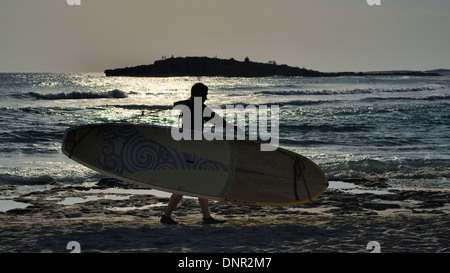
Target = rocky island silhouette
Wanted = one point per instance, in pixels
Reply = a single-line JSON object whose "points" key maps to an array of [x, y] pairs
{"points": [[215, 67]]}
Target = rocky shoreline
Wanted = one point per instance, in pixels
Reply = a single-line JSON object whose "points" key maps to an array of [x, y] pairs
{"points": [[115, 217]]}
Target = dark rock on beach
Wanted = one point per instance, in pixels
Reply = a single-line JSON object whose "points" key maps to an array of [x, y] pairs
{"points": [[115, 183]]}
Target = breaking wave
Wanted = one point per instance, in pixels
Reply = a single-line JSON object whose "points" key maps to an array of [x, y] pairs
{"points": [[392, 169], [113, 94], [350, 91], [427, 98], [144, 107]]}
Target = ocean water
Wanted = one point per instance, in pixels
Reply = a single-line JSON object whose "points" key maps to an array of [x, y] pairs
{"points": [[395, 128]]}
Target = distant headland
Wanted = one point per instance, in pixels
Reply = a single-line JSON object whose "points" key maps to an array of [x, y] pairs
{"points": [[205, 66]]}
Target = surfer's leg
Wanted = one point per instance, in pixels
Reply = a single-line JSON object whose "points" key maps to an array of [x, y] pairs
{"points": [[207, 219], [173, 203], [204, 206]]}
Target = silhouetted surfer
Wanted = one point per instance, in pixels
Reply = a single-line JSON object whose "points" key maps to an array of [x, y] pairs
{"points": [[193, 118]]}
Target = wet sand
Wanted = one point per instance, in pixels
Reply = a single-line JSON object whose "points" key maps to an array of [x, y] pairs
{"points": [[116, 217]]}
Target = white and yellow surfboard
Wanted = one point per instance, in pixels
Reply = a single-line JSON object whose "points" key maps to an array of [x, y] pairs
{"points": [[226, 170]]}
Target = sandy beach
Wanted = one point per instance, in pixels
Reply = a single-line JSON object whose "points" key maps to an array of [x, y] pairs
{"points": [[113, 217]]}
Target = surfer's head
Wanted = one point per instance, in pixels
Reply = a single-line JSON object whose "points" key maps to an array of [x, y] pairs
{"points": [[199, 90]]}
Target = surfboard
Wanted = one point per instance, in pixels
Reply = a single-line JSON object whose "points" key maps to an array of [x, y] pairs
{"points": [[234, 171]]}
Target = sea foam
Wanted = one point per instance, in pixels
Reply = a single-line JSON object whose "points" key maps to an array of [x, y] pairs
{"points": [[117, 94]]}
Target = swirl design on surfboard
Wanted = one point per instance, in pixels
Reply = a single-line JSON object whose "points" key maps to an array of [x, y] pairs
{"points": [[126, 151]]}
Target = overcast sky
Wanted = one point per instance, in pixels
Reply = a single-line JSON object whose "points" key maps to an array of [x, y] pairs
{"points": [[324, 35]]}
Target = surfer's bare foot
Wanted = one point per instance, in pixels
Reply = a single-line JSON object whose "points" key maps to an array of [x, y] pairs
{"points": [[210, 221], [168, 220]]}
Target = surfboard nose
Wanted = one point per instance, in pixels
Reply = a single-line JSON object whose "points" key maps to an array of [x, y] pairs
{"points": [[69, 141], [84, 143]]}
